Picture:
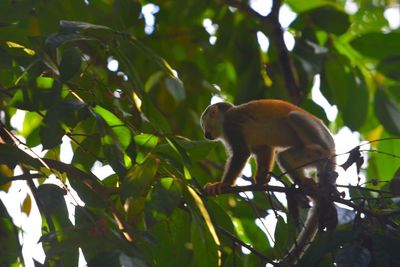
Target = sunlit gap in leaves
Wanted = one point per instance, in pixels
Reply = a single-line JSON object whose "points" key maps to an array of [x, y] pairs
{"points": [[351, 7], [101, 171], [13, 200], [261, 6], [392, 14], [216, 98], [112, 64], [2, 115], [72, 199], [263, 41], [148, 12], [211, 28], [286, 17], [30, 224], [242, 182]]}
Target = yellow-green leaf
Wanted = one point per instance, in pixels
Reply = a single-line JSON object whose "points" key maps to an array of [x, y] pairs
{"points": [[27, 205]]}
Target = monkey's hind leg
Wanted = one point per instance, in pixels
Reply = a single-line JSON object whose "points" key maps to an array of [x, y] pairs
{"points": [[294, 160], [265, 157]]}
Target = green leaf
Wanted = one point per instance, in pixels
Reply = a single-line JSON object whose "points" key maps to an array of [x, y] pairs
{"points": [[69, 25], [197, 150], [355, 112], [395, 182], [117, 126], [339, 81], [323, 17], [257, 237], [175, 88], [64, 114], [154, 79], [12, 155], [161, 62], [378, 45], [204, 248], [6, 61], [204, 236], [52, 198], [31, 122], [128, 10], [326, 244], [387, 112], [82, 158], [154, 115], [315, 109], [55, 209], [390, 67], [115, 138], [139, 179], [175, 229], [301, 6], [114, 155], [146, 140], [9, 239], [51, 135], [40, 94], [353, 255], [55, 40], [346, 84], [146, 144], [70, 63], [163, 199], [179, 149], [385, 252], [281, 237], [386, 165]]}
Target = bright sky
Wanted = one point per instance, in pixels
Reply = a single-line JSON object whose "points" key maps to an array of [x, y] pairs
{"points": [[31, 225]]}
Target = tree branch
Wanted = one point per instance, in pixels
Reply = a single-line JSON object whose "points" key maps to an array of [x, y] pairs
{"points": [[338, 199], [25, 176], [253, 188]]}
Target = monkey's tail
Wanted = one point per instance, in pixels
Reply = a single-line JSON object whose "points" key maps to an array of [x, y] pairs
{"points": [[322, 216], [305, 237]]}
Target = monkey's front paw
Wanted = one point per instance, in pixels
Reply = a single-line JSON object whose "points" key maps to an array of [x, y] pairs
{"points": [[213, 189]]}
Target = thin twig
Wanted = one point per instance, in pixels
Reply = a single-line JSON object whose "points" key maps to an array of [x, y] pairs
{"points": [[243, 244], [365, 189]]}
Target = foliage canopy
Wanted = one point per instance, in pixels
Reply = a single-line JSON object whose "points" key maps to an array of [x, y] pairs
{"points": [[125, 81]]}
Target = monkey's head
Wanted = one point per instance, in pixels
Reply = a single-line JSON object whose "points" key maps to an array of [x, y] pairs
{"points": [[212, 120]]}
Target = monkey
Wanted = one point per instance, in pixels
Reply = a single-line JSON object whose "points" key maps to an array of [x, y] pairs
{"points": [[275, 130]]}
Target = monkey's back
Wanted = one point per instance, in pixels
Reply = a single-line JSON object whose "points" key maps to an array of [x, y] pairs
{"points": [[264, 122]]}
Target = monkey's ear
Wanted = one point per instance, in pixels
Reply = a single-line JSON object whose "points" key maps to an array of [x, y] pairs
{"points": [[212, 111]]}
